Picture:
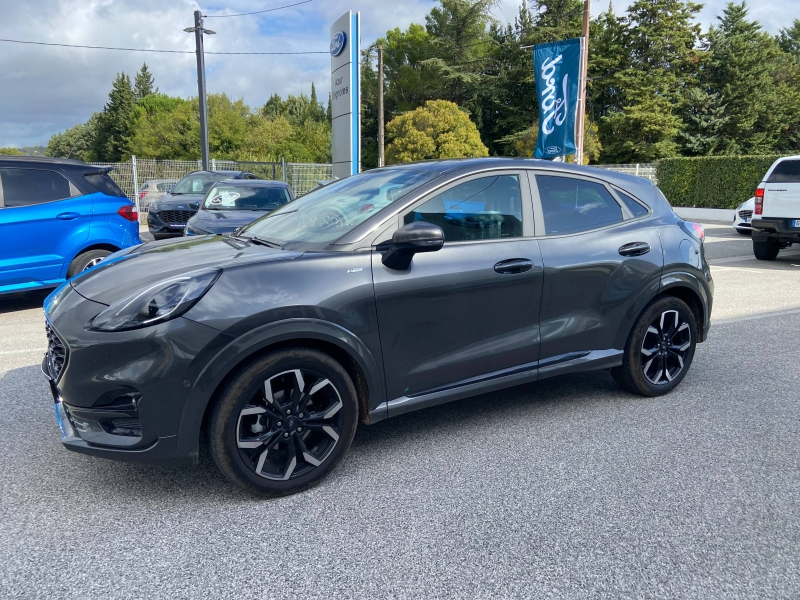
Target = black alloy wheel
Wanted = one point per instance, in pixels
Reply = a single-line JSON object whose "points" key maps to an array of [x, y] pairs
{"points": [[660, 348], [666, 343], [284, 421]]}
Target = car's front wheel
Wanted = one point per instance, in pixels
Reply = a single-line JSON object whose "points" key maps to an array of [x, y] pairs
{"points": [[659, 350], [284, 421]]}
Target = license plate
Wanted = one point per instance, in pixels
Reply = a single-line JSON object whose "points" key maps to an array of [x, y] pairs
{"points": [[177, 225], [746, 220], [796, 223]]}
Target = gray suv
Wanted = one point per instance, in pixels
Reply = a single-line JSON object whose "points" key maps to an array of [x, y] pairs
{"points": [[386, 292]]}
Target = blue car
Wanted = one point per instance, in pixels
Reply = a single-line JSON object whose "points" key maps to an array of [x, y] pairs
{"points": [[232, 204], [58, 217]]}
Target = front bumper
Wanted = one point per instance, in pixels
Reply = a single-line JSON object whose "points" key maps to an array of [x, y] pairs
{"points": [[158, 226], [121, 395]]}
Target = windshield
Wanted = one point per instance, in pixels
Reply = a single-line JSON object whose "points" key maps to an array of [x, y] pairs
{"points": [[240, 197], [328, 213], [198, 184]]}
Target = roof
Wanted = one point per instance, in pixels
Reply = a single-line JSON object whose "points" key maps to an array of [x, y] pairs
{"points": [[66, 164], [254, 182]]}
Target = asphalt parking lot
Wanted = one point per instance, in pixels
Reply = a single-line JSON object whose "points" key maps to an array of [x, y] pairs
{"points": [[566, 488]]}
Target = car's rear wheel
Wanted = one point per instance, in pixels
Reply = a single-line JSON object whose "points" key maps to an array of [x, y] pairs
{"points": [[766, 250], [84, 261], [283, 422], [659, 350]]}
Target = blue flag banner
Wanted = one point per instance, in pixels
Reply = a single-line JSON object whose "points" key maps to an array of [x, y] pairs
{"points": [[557, 67]]}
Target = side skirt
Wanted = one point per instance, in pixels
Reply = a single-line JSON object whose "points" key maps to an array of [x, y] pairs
{"points": [[549, 367]]}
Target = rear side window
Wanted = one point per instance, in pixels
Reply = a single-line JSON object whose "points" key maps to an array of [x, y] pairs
{"points": [[27, 187], [637, 210], [574, 205], [786, 171], [102, 182]]}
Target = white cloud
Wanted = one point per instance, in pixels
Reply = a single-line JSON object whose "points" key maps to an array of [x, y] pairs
{"points": [[45, 89]]}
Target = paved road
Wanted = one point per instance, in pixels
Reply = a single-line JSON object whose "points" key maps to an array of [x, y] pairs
{"points": [[567, 488]]}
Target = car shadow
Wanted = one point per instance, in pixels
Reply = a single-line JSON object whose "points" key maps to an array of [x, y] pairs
{"points": [[39, 460], [23, 300]]}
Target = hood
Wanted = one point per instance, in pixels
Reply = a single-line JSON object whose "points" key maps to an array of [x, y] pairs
{"points": [[179, 201], [224, 221], [157, 261]]}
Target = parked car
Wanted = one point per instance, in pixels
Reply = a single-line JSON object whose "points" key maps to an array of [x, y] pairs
{"points": [[153, 190], [167, 216], [58, 217], [776, 219], [743, 218], [393, 290], [231, 204]]}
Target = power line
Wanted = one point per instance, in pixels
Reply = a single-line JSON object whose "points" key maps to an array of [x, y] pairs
{"points": [[258, 12], [151, 50]]}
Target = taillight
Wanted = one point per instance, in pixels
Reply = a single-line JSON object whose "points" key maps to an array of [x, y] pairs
{"points": [[128, 212], [696, 230], [759, 200], [142, 194]]}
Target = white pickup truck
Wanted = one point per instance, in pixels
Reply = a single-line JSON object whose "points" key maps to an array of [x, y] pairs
{"points": [[776, 218]]}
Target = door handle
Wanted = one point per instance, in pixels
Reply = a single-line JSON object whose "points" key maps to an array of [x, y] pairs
{"points": [[68, 216], [634, 249], [513, 266]]}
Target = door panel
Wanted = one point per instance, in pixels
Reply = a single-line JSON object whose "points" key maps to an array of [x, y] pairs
{"points": [[34, 241], [452, 316], [591, 290]]}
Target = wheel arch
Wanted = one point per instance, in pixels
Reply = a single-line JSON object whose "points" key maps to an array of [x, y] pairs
{"points": [[334, 340], [687, 287], [93, 245]]}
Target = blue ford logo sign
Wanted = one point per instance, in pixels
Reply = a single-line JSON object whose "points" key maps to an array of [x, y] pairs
{"points": [[338, 42]]}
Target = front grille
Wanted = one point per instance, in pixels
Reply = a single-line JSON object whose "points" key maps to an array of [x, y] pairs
{"points": [[175, 216], [56, 353], [745, 214]]}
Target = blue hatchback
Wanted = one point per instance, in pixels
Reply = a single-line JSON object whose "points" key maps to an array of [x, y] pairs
{"points": [[58, 217]]}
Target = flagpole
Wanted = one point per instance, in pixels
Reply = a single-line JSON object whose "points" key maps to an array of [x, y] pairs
{"points": [[582, 84]]}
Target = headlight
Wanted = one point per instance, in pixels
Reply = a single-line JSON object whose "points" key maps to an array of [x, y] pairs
{"points": [[157, 303]]}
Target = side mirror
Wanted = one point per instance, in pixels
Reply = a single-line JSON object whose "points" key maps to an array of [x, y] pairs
{"points": [[410, 239]]}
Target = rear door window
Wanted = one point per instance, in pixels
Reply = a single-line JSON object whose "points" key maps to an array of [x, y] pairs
{"points": [[786, 171], [103, 183], [572, 205], [28, 187]]}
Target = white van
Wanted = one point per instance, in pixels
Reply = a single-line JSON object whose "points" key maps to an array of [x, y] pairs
{"points": [[776, 218]]}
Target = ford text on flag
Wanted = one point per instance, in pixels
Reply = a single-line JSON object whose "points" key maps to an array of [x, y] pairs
{"points": [[557, 67]]}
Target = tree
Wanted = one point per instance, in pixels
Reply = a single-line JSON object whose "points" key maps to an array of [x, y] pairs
{"points": [[437, 130], [789, 39], [704, 119], [10, 152], [143, 83], [77, 142], [113, 127], [743, 70]]}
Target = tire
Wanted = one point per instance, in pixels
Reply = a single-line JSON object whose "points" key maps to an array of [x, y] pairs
{"points": [[268, 448], [766, 250], [659, 350], [85, 261]]}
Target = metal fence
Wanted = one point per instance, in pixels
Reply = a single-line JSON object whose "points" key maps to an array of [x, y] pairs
{"points": [[646, 170], [132, 175]]}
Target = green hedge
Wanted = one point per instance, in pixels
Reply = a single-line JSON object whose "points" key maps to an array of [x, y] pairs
{"points": [[711, 181]]}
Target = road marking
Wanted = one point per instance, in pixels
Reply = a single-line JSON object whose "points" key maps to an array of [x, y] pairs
{"points": [[771, 315], [730, 259]]}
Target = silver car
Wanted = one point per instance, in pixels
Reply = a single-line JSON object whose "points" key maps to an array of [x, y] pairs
{"points": [[153, 189]]}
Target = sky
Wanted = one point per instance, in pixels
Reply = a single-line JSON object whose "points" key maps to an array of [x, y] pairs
{"points": [[44, 90]]}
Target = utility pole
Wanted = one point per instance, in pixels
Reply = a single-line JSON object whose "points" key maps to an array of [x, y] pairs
{"points": [[380, 106], [582, 85], [201, 82]]}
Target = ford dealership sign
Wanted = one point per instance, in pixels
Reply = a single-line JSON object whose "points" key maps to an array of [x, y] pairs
{"points": [[338, 42]]}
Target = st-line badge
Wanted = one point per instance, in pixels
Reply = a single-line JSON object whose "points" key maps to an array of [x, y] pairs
{"points": [[338, 42]]}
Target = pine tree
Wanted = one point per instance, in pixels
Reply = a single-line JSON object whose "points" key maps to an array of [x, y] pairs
{"points": [[113, 127], [789, 39], [743, 70], [704, 119], [143, 83]]}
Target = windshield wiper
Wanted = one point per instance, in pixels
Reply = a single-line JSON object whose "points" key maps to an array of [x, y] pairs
{"points": [[262, 241]]}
